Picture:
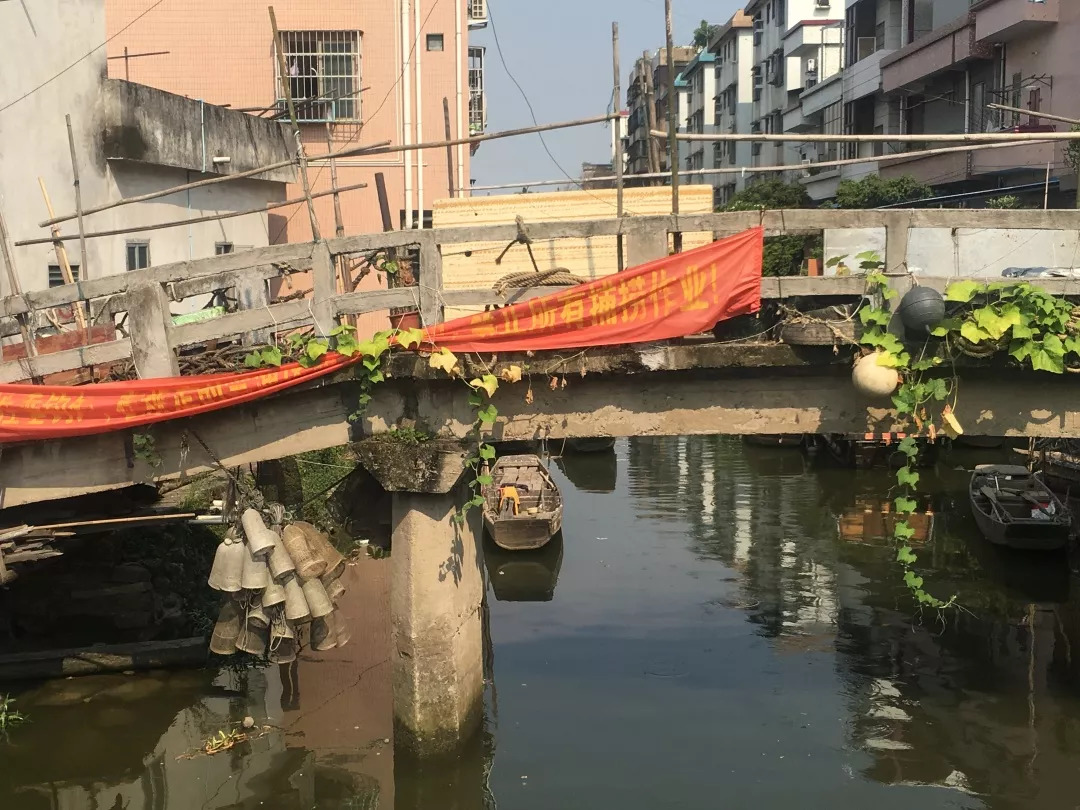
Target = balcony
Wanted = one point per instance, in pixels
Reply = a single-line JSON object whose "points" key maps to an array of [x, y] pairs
{"points": [[478, 14], [1005, 20], [865, 76], [932, 170], [477, 94], [944, 48], [807, 37]]}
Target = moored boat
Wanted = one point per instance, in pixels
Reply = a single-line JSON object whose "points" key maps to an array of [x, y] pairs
{"points": [[593, 444], [523, 507], [1013, 507]]}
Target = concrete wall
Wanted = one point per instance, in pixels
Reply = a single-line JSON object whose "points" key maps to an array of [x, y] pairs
{"points": [[42, 38], [227, 58], [983, 253]]}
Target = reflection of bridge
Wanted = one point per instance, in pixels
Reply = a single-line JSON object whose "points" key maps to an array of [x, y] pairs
{"points": [[679, 388]]}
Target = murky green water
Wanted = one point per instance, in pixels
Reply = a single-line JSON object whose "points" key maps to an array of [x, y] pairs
{"points": [[720, 628]]}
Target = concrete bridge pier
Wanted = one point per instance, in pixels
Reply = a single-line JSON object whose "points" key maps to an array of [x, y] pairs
{"points": [[436, 591]]}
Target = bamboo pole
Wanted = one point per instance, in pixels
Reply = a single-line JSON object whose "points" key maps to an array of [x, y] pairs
{"points": [[650, 114], [83, 266], [316, 236], [339, 225], [16, 289], [782, 168], [194, 221], [950, 137], [383, 148], [61, 255], [618, 157], [673, 109], [449, 149], [1034, 114]]}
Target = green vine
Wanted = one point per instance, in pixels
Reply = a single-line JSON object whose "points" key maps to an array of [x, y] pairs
{"points": [[144, 448], [1036, 329]]}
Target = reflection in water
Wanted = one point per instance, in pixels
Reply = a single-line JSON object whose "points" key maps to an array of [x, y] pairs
{"points": [[729, 629], [596, 471], [524, 576]]}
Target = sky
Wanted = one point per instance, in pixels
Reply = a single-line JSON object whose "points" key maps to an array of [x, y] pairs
{"points": [[560, 53]]}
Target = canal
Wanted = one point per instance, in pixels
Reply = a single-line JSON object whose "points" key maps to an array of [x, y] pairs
{"points": [[721, 626]]}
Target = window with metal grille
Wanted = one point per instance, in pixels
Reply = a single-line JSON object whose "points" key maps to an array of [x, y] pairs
{"points": [[138, 255], [323, 74], [221, 248], [56, 275]]}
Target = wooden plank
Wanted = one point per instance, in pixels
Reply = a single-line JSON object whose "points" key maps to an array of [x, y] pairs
{"points": [[226, 279], [285, 316], [176, 271], [357, 303], [97, 354], [103, 658]]}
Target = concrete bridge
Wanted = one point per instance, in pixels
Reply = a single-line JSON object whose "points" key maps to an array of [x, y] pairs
{"points": [[693, 386]]}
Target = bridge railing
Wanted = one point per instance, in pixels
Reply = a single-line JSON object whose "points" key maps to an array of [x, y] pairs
{"points": [[133, 308]]}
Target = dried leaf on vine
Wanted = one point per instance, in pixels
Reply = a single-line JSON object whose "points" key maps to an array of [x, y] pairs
{"points": [[488, 383], [444, 359], [953, 428], [553, 383], [511, 374]]}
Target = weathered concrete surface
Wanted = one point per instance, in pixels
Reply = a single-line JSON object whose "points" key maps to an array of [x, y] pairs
{"points": [[148, 125], [677, 389], [435, 597], [150, 346], [433, 467]]}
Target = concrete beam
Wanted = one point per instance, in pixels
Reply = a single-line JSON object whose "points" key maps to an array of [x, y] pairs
{"points": [[436, 590], [679, 389]]}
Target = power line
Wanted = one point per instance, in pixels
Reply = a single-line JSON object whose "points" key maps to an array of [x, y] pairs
{"points": [[82, 58]]}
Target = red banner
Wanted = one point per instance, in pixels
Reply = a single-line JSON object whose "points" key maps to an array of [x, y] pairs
{"points": [[53, 411], [668, 298], [672, 297]]}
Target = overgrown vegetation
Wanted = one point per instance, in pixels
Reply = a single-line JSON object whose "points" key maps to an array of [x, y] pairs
{"points": [[1038, 330], [703, 33], [873, 191], [1005, 202], [783, 255], [9, 717]]}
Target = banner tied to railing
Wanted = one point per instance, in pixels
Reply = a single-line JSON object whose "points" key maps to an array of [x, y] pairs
{"points": [[671, 297], [668, 298]]}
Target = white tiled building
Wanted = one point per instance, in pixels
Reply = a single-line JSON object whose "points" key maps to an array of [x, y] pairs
{"points": [[733, 48]]}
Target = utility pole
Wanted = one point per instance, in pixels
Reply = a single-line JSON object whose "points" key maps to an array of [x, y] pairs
{"points": [[673, 111], [620, 154]]}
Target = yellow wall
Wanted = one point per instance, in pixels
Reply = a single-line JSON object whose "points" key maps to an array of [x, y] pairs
{"points": [[590, 258]]}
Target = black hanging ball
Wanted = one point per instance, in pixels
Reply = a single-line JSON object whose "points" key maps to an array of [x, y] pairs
{"points": [[921, 309]]}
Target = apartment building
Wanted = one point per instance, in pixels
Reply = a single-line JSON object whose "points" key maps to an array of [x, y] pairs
{"points": [[733, 48], [648, 85], [960, 56], [790, 51], [700, 114], [360, 73]]}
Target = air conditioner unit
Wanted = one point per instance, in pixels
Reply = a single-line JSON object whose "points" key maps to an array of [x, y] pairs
{"points": [[821, 3], [806, 162], [866, 46]]}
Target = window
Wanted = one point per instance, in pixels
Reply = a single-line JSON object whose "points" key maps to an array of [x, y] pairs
{"points": [[221, 248], [324, 74], [832, 124], [56, 275], [781, 13], [138, 255], [435, 42]]}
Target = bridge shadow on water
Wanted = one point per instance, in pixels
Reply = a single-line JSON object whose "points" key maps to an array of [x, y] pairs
{"points": [[719, 625]]}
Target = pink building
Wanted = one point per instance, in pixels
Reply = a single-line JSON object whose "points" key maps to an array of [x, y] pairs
{"points": [[361, 73], [1020, 53]]}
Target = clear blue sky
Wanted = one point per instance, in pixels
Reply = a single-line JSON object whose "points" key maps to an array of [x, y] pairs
{"points": [[560, 52]]}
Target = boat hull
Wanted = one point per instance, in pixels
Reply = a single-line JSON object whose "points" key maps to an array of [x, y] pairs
{"points": [[522, 533], [1030, 535]]}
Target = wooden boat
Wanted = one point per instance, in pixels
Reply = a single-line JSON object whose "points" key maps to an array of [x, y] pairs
{"points": [[523, 508], [776, 440], [1014, 508], [524, 576]]}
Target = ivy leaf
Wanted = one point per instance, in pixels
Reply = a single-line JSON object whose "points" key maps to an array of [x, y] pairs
{"points": [[488, 415], [512, 374], [937, 389], [869, 256], [903, 531], [488, 383], [996, 324], [376, 376], [475, 400], [946, 326], [903, 404], [443, 359], [296, 340], [908, 446], [886, 341], [834, 261], [476, 500], [315, 349], [347, 345], [906, 556], [305, 361], [407, 338], [913, 580], [342, 329], [905, 505], [487, 452], [253, 360], [1023, 329], [485, 480], [961, 291], [1072, 345], [906, 476], [890, 360], [871, 316], [1044, 360], [973, 333], [1021, 349], [271, 356]]}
